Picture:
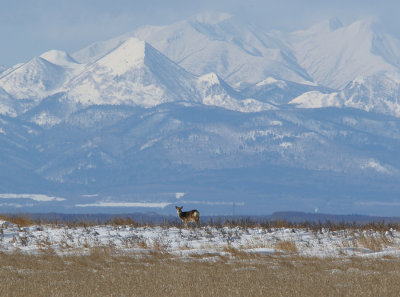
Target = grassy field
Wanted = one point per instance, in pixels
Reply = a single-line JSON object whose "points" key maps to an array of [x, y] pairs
{"points": [[155, 271], [104, 274]]}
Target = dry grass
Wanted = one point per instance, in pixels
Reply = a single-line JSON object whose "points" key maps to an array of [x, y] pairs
{"points": [[23, 220], [286, 246], [26, 220], [102, 273]]}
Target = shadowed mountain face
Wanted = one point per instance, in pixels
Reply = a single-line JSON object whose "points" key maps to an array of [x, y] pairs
{"points": [[126, 125]]}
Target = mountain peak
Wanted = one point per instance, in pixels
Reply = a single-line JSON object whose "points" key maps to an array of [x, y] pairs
{"points": [[128, 55], [58, 57]]}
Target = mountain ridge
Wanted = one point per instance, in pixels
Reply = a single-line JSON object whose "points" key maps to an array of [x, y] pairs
{"points": [[121, 121]]}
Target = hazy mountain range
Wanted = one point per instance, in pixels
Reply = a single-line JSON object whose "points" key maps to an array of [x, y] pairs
{"points": [[209, 113]]}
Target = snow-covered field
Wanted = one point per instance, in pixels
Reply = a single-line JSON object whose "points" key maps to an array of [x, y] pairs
{"points": [[205, 241]]}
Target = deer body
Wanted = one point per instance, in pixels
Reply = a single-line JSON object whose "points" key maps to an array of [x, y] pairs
{"points": [[188, 216]]}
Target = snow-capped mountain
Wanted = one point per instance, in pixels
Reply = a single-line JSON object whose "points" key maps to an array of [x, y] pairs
{"points": [[135, 73], [34, 79], [280, 92], [325, 58], [241, 54], [211, 108], [333, 54], [379, 93]]}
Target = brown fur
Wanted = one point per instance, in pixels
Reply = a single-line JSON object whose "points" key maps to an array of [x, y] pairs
{"points": [[188, 216]]}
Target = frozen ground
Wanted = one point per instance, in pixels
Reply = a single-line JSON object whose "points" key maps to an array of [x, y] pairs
{"points": [[206, 241]]}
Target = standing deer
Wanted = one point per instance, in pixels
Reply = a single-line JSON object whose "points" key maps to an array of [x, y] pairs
{"points": [[188, 216]]}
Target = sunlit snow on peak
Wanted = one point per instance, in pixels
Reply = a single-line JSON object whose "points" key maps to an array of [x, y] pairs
{"points": [[128, 55]]}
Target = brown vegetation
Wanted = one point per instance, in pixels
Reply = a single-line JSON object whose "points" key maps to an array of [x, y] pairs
{"points": [[24, 220], [102, 273]]}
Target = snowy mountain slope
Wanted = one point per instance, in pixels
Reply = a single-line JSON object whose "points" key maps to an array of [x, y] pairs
{"points": [[136, 73], [273, 67], [8, 106], [378, 93], [60, 58], [334, 54], [216, 92], [34, 80], [133, 72], [280, 92], [328, 53], [51, 110], [41, 76], [238, 53], [316, 99]]}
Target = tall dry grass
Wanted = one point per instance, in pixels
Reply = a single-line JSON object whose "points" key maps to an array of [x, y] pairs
{"points": [[102, 273]]}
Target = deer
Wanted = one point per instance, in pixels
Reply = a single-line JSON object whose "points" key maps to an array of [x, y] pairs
{"points": [[188, 216]]}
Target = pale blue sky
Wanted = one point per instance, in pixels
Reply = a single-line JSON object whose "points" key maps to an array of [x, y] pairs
{"points": [[31, 27]]}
